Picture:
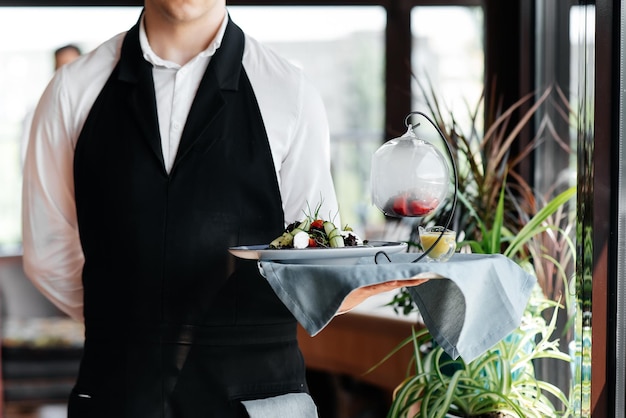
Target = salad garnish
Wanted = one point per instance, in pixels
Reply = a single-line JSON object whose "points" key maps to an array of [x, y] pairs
{"points": [[314, 232]]}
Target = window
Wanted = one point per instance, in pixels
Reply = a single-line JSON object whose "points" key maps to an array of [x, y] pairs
{"points": [[448, 54], [344, 60], [341, 49]]}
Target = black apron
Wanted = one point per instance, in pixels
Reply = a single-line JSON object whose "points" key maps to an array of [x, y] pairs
{"points": [[175, 326]]}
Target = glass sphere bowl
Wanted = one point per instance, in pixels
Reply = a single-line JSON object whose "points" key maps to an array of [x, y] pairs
{"points": [[409, 177]]}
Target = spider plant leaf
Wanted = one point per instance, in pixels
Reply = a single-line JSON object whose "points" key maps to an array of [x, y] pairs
{"points": [[480, 364], [505, 377], [402, 397], [554, 390], [444, 407], [494, 401], [431, 394], [562, 274]]}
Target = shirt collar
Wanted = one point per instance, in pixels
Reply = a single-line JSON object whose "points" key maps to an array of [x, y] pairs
{"points": [[150, 56]]}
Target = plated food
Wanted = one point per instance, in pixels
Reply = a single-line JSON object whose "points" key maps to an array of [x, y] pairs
{"points": [[316, 241], [317, 255], [314, 232]]}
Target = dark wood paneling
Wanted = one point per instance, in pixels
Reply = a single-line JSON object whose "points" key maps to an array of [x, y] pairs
{"points": [[354, 342], [398, 43], [604, 219]]}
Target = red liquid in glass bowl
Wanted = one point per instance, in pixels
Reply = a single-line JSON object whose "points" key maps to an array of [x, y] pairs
{"points": [[409, 206]]}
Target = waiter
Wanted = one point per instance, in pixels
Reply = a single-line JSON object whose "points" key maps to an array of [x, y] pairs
{"points": [[148, 158]]}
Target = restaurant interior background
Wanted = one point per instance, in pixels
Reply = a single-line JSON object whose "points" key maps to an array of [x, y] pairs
{"points": [[366, 58]]}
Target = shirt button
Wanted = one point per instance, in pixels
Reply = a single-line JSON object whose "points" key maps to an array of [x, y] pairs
{"points": [[176, 126]]}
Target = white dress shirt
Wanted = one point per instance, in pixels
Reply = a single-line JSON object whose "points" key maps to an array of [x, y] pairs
{"points": [[292, 111]]}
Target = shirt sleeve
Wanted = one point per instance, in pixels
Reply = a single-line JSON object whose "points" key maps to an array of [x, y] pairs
{"points": [[305, 174], [53, 257]]}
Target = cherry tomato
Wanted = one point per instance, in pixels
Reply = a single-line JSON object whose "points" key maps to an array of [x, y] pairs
{"points": [[318, 224], [312, 242]]}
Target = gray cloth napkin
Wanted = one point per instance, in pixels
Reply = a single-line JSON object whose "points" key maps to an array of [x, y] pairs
{"points": [[292, 405], [468, 304]]}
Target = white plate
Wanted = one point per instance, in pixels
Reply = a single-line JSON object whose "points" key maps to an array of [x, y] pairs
{"points": [[343, 255]]}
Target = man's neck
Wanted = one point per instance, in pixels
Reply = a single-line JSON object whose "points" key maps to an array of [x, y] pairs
{"points": [[181, 40]]}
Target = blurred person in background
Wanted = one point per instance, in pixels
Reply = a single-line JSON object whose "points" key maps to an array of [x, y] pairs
{"points": [[65, 55]]}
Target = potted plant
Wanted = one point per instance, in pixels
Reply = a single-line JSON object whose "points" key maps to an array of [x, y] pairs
{"points": [[499, 213], [500, 383]]}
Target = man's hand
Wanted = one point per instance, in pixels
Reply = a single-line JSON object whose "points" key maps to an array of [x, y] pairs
{"points": [[359, 295]]}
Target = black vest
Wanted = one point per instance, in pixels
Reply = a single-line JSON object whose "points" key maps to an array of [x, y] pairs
{"points": [[175, 326]]}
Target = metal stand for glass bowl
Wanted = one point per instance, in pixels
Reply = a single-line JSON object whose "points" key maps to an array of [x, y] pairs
{"points": [[455, 193]]}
